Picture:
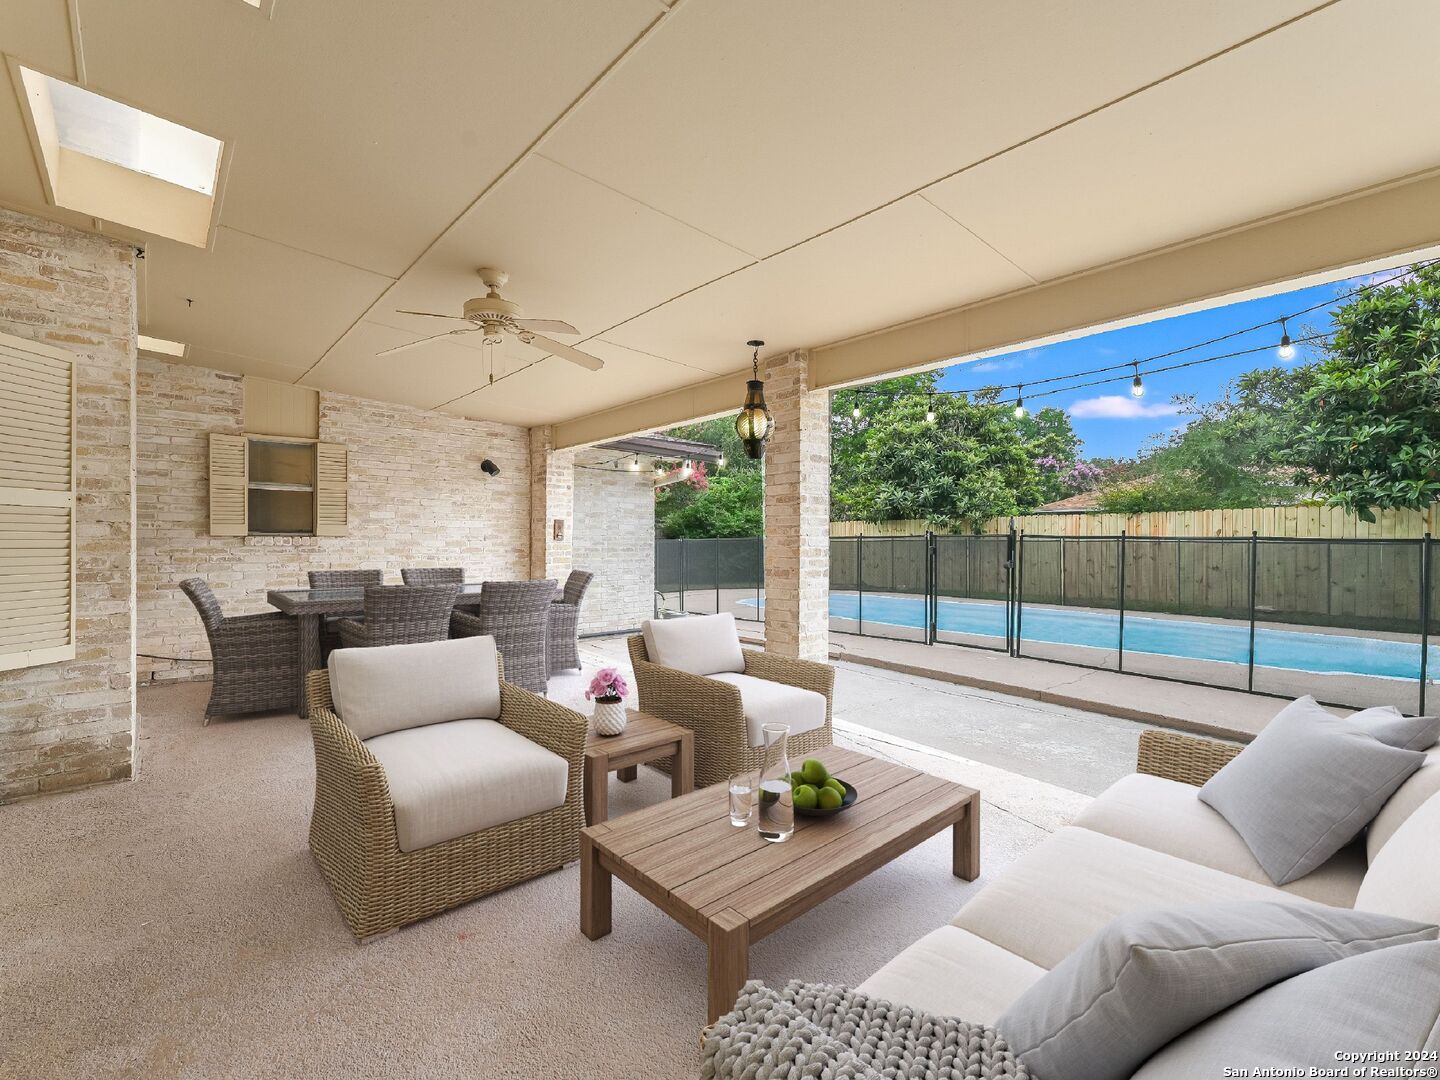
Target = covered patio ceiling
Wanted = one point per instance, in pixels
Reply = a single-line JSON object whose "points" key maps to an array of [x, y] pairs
{"points": [[889, 184]]}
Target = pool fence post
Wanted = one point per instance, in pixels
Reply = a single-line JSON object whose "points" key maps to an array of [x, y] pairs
{"points": [[1425, 569], [1019, 587], [760, 578], [860, 583], [684, 574], [1254, 574], [930, 597], [717, 575], [1120, 640]]}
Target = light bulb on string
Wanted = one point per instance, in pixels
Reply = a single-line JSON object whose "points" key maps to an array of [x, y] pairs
{"points": [[855, 412], [1137, 385], [1286, 350], [1020, 403], [635, 464], [930, 409], [720, 462]]}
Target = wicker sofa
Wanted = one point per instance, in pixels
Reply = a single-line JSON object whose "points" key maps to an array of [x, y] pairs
{"points": [[739, 689], [387, 840], [1146, 842]]}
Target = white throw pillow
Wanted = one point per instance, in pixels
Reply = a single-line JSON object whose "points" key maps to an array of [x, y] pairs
{"points": [[699, 644], [394, 687], [1404, 879]]}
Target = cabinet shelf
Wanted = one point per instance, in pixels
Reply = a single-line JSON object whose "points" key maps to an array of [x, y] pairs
{"points": [[268, 485]]}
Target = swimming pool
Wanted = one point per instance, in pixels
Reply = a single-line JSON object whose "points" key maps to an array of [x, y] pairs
{"points": [[1219, 642]]}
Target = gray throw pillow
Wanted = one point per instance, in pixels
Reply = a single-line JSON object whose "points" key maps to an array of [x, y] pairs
{"points": [[1149, 976], [1377, 1004], [1394, 728], [1306, 787]]}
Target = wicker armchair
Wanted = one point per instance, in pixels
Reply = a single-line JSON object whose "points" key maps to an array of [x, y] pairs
{"points": [[516, 615], [256, 658], [401, 615], [353, 836], [562, 638], [339, 579], [713, 709], [433, 575]]}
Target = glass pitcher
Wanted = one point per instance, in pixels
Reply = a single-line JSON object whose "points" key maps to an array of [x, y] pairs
{"points": [[776, 803]]}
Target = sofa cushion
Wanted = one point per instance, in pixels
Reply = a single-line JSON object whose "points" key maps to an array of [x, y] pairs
{"points": [[1051, 899], [1404, 879], [1383, 1001], [1149, 976], [1409, 797], [768, 702], [951, 972], [453, 779], [1165, 815], [1306, 787], [394, 687], [699, 644]]}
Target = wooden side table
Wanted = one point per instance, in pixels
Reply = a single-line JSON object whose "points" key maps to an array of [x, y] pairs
{"points": [[645, 738]]}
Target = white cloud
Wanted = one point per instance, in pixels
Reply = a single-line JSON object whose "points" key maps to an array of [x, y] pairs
{"points": [[1120, 407], [996, 365]]}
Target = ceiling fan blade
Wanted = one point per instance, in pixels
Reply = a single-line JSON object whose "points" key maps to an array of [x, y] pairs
{"points": [[423, 340], [575, 356], [430, 314], [546, 326]]}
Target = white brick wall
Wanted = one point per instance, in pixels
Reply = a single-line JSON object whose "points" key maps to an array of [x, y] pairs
{"points": [[417, 498], [70, 724], [615, 540]]}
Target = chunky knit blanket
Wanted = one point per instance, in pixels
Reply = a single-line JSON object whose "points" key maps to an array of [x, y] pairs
{"points": [[812, 1030]]}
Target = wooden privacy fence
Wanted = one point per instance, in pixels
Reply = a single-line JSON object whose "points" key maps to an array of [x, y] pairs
{"points": [[1298, 521]]}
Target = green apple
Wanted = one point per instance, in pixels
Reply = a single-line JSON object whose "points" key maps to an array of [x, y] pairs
{"points": [[814, 772], [830, 799], [806, 796]]}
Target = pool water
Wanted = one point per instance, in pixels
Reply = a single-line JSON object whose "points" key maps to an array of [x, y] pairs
{"points": [[1221, 642]]}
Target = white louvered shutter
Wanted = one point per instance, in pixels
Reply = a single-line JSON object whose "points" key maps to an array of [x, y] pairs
{"points": [[229, 485], [37, 504], [332, 508]]}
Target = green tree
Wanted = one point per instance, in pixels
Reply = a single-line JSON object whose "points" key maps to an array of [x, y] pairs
{"points": [[1054, 446], [851, 434], [1369, 435], [970, 465], [732, 505], [720, 433], [1231, 454]]}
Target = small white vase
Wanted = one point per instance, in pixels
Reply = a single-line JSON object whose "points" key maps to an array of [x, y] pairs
{"points": [[610, 717]]}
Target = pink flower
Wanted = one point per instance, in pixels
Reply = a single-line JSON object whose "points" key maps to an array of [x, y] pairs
{"points": [[607, 683]]}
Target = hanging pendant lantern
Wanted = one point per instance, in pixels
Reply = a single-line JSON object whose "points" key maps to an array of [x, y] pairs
{"points": [[754, 424]]}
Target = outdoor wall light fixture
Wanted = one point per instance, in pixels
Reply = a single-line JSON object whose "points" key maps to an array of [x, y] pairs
{"points": [[1286, 350], [489, 468], [754, 425], [1020, 402], [1137, 386]]}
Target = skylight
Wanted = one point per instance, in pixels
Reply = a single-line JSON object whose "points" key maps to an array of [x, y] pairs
{"points": [[101, 128]]}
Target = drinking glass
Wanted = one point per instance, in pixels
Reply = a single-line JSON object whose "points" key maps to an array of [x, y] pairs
{"points": [[742, 798]]}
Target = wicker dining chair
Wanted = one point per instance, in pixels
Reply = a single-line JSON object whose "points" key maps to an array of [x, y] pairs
{"points": [[256, 658], [433, 575], [401, 615], [562, 640], [339, 579], [516, 614]]}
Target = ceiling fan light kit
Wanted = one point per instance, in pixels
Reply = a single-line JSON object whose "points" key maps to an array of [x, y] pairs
{"points": [[754, 425], [495, 316]]}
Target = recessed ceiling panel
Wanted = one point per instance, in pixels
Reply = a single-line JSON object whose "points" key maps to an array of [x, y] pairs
{"points": [[902, 262], [574, 250], [251, 297], [358, 133], [1302, 115], [764, 123]]}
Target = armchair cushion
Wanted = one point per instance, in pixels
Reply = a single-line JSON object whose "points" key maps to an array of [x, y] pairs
{"points": [[768, 702], [395, 687], [1404, 879], [452, 779], [698, 644]]}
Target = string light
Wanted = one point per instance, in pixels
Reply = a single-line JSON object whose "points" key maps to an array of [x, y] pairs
{"points": [[1286, 350], [659, 468], [930, 409], [635, 464], [720, 462], [1137, 386], [1020, 402], [855, 412]]}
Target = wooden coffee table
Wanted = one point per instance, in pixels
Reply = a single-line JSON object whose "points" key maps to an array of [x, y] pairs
{"points": [[729, 888], [645, 738]]}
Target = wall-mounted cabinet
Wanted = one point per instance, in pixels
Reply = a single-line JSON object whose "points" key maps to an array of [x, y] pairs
{"points": [[262, 485]]}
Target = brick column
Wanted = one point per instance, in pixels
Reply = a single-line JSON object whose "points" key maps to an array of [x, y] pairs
{"points": [[797, 511], [552, 499]]}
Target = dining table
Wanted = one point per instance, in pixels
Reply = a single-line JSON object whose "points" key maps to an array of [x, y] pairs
{"points": [[310, 607]]}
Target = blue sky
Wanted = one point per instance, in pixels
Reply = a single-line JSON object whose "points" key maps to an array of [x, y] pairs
{"points": [[1107, 418]]}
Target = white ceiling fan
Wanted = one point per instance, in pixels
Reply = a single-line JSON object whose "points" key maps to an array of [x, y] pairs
{"points": [[495, 316]]}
